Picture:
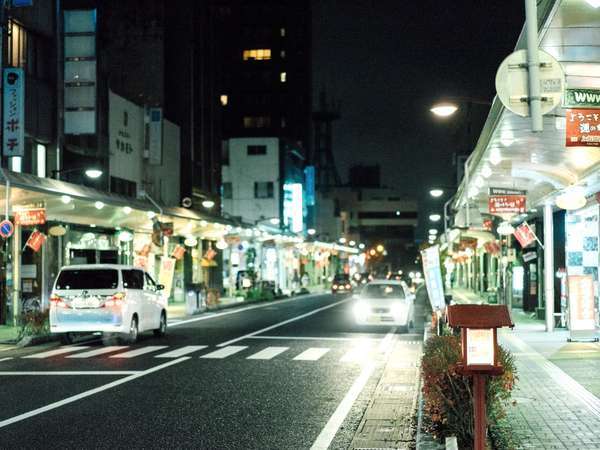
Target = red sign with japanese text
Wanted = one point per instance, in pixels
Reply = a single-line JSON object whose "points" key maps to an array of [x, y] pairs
{"points": [[507, 204], [524, 234], [36, 240], [583, 128], [29, 217]]}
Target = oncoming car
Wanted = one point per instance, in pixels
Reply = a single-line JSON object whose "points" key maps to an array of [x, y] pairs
{"points": [[341, 284], [385, 302], [106, 298]]}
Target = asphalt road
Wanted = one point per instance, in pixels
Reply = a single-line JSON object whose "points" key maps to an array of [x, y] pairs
{"points": [[284, 375]]}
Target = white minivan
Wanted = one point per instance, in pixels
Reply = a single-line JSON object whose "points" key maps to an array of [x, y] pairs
{"points": [[107, 298]]}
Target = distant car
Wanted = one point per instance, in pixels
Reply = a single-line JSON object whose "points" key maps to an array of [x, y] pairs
{"points": [[107, 298], [341, 284], [385, 302]]}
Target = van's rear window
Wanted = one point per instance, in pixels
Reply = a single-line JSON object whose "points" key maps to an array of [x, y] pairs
{"points": [[88, 279]]}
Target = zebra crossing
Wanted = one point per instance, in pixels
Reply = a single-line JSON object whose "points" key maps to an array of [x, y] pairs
{"points": [[354, 353]]}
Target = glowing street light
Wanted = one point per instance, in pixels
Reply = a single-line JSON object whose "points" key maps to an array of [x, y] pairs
{"points": [[444, 109], [435, 217], [380, 248], [436, 193]]}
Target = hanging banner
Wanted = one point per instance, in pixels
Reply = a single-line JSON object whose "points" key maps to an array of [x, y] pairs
{"points": [[13, 123], [525, 235], [30, 217], [166, 274], [582, 324], [36, 240], [583, 128], [579, 97], [506, 201], [178, 252], [433, 277]]}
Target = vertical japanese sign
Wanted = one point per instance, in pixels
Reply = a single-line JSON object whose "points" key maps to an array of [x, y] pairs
{"points": [[165, 275], [13, 123], [433, 277], [582, 323], [583, 128], [155, 138]]}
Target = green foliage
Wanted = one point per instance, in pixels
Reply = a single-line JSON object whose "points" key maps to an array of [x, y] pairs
{"points": [[448, 395], [34, 324]]}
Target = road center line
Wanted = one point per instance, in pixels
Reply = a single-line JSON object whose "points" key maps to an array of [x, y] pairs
{"points": [[335, 421], [293, 319], [312, 338], [88, 393], [71, 372], [239, 310]]}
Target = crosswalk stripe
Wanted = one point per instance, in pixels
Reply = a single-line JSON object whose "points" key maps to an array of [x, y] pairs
{"points": [[225, 352], [312, 354], [98, 351], [357, 354], [139, 351], [58, 351], [181, 351], [268, 353]]}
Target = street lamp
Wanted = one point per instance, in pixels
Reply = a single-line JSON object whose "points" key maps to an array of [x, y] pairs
{"points": [[436, 193], [90, 172], [444, 109], [435, 217]]}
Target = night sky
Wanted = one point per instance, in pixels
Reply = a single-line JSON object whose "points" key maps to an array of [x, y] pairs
{"points": [[387, 61]]}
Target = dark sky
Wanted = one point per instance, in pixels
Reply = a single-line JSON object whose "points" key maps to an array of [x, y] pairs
{"points": [[386, 61]]}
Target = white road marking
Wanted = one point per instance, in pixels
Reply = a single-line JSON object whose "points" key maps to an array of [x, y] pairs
{"points": [[335, 421], [88, 393], [225, 352], [139, 351], [239, 310], [58, 351], [71, 372], [181, 351], [312, 354], [387, 342], [6, 359], [268, 353], [311, 338], [293, 319], [99, 351], [360, 353]]}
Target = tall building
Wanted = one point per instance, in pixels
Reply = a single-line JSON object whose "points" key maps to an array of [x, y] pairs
{"points": [[267, 84]]}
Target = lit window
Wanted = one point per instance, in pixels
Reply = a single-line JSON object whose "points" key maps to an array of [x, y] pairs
{"points": [[257, 54], [283, 77], [282, 32], [283, 122], [224, 100], [257, 122], [41, 161], [282, 53]]}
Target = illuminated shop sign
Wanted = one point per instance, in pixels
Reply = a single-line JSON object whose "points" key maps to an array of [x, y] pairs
{"points": [[293, 207]]}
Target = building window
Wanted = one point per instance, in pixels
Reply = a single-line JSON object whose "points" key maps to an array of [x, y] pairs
{"points": [[283, 77], [257, 54], [224, 100], [257, 122], [283, 122], [263, 189], [282, 32], [41, 160], [123, 187], [227, 191], [257, 150], [28, 51], [282, 54]]}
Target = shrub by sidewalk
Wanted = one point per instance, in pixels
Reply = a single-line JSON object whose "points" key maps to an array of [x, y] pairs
{"points": [[448, 395], [34, 327]]}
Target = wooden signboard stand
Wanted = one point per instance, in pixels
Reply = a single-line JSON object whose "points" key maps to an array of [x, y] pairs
{"points": [[478, 325]]}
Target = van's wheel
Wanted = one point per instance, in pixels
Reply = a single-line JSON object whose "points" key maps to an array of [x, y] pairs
{"points": [[132, 336], [67, 338], [162, 328]]}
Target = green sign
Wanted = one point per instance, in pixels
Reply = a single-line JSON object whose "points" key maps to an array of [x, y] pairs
{"points": [[578, 97]]}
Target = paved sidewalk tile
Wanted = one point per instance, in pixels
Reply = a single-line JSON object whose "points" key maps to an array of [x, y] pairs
{"points": [[389, 421]]}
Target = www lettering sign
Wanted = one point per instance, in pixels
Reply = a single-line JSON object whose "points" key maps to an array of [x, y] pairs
{"points": [[575, 97]]}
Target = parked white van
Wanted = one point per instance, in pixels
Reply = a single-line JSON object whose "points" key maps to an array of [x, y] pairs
{"points": [[107, 298]]}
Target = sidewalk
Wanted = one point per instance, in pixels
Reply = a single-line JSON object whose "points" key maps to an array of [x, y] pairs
{"points": [[556, 397]]}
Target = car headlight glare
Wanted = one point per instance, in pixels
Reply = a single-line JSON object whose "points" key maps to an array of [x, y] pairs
{"points": [[398, 309], [361, 309]]}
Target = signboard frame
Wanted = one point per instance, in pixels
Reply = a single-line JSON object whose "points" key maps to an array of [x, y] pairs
{"points": [[580, 288], [433, 277]]}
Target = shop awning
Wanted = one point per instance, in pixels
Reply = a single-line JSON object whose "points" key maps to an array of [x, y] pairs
{"points": [[539, 162]]}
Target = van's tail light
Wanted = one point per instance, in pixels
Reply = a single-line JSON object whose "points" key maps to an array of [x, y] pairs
{"points": [[57, 300], [115, 300]]}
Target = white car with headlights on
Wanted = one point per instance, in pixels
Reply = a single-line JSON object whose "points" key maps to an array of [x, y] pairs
{"points": [[106, 298], [385, 302]]}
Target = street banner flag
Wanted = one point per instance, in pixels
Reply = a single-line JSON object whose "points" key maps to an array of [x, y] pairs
{"points": [[525, 235], [36, 240], [433, 277], [178, 252]]}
